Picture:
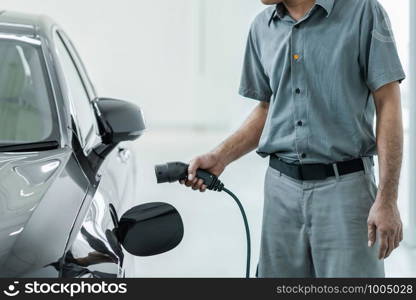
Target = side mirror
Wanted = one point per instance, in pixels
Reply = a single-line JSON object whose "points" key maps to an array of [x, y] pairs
{"points": [[150, 229], [119, 120]]}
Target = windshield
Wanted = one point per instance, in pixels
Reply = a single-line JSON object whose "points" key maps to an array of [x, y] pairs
{"points": [[25, 104]]}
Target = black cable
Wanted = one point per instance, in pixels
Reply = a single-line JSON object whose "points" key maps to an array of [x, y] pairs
{"points": [[247, 229], [176, 171]]}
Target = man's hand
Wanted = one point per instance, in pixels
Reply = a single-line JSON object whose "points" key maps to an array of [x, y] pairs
{"points": [[210, 162], [384, 223]]}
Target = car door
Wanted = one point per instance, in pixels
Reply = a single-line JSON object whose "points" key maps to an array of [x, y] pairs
{"points": [[119, 165], [93, 250]]}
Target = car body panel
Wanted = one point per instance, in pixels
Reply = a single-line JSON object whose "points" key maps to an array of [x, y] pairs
{"points": [[32, 205], [92, 249], [16, 23], [55, 217]]}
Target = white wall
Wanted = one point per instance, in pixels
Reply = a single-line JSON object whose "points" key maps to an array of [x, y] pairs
{"points": [[180, 60]]}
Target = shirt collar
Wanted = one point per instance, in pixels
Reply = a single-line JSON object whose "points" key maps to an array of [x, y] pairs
{"points": [[280, 10], [328, 5]]}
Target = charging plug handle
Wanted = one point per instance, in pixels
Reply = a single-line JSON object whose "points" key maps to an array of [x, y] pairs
{"points": [[177, 171]]}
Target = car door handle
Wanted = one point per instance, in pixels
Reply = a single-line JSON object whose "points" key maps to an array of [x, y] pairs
{"points": [[124, 154]]}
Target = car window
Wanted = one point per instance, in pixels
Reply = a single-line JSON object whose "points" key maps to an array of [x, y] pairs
{"points": [[78, 61], [82, 108], [26, 110]]}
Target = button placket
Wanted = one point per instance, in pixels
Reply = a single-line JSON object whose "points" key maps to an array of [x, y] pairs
{"points": [[293, 63], [298, 82]]}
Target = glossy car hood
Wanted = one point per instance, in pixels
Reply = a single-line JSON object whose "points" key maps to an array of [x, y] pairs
{"points": [[24, 179]]}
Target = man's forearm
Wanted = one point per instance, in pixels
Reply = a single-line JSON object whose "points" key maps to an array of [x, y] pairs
{"points": [[389, 142], [384, 221], [246, 138]]}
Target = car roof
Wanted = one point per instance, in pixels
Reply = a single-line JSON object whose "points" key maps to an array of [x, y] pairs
{"points": [[25, 24]]}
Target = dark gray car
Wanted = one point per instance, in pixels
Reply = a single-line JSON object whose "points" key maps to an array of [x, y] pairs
{"points": [[66, 167]]}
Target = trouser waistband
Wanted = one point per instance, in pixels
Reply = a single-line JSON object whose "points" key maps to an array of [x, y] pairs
{"points": [[317, 171]]}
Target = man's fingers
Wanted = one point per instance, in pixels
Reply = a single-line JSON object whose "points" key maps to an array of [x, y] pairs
{"points": [[396, 242], [397, 238], [384, 245], [372, 232], [195, 183], [188, 183], [200, 183], [391, 245], [203, 188], [193, 166], [401, 233]]}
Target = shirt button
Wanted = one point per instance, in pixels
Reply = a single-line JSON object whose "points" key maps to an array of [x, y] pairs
{"points": [[300, 123], [297, 91], [303, 155], [296, 56], [296, 26]]}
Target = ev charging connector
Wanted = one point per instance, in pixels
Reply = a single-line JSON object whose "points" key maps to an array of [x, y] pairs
{"points": [[177, 171]]}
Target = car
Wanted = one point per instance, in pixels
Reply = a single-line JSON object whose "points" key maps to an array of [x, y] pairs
{"points": [[67, 168]]}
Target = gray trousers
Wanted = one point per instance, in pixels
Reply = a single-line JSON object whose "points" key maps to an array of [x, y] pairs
{"points": [[318, 228]]}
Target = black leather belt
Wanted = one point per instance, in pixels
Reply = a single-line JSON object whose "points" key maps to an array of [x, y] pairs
{"points": [[315, 171]]}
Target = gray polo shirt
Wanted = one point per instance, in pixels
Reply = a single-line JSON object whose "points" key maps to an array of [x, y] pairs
{"points": [[318, 75]]}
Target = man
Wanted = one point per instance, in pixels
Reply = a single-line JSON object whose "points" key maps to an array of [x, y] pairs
{"points": [[321, 69]]}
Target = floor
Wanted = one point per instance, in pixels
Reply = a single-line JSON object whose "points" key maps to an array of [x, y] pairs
{"points": [[214, 240]]}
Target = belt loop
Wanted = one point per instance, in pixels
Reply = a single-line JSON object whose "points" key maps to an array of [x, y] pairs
{"points": [[372, 160], [335, 166], [366, 162]]}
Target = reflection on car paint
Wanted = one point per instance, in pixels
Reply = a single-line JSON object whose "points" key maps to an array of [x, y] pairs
{"points": [[94, 253], [37, 173], [22, 188]]}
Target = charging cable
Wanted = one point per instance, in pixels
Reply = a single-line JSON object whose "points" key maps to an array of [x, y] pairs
{"points": [[177, 171]]}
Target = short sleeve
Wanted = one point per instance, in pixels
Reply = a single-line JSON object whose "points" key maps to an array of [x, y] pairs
{"points": [[254, 81], [378, 52]]}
